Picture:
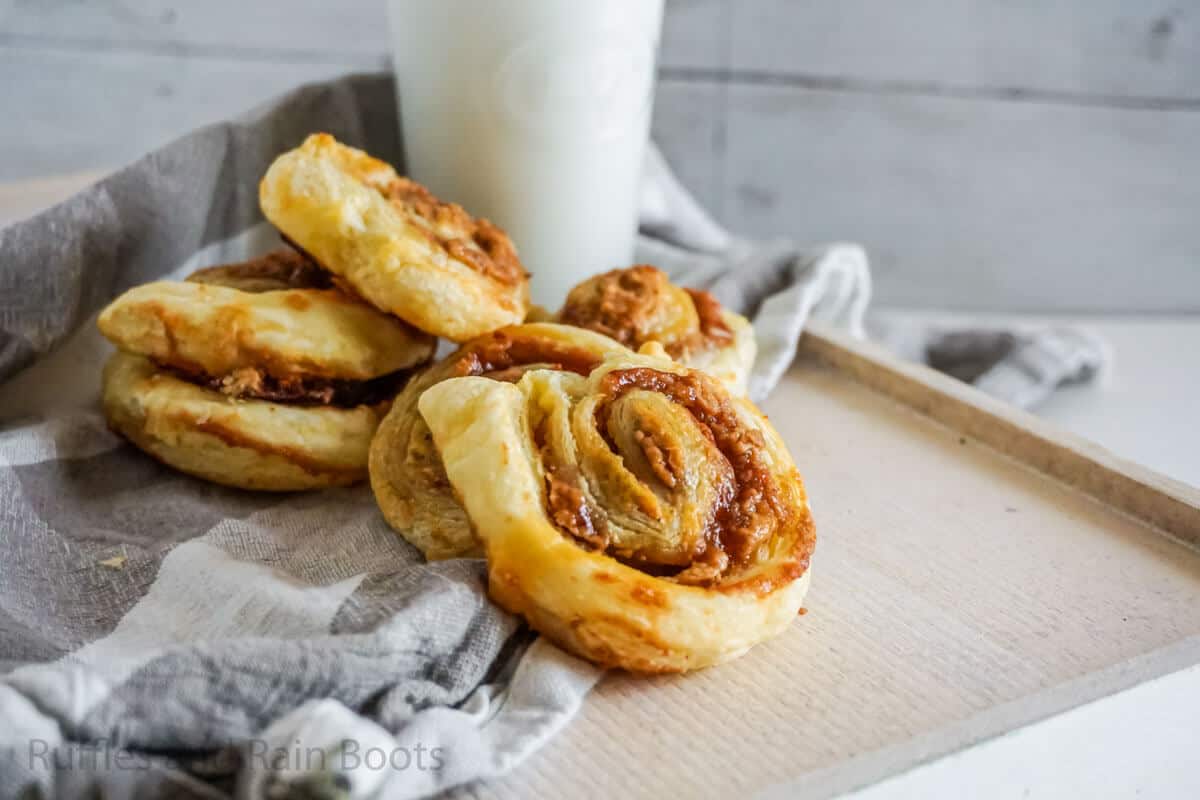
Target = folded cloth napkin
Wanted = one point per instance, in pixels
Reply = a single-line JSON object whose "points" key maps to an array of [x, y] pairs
{"points": [[1021, 365], [160, 636]]}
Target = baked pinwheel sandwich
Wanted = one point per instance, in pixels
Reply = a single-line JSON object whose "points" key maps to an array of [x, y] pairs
{"points": [[404, 251], [638, 305], [406, 470], [632, 504], [260, 375], [640, 516]]}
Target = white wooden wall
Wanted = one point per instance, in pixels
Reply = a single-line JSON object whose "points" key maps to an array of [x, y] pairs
{"points": [[1031, 154]]}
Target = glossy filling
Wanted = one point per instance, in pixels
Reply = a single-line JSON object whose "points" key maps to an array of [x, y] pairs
{"points": [[503, 356], [639, 304], [253, 383], [666, 439], [477, 243]]}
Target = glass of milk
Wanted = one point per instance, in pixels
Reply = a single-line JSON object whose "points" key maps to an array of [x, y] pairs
{"points": [[534, 114]]}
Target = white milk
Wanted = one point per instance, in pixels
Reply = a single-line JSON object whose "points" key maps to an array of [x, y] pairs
{"points": [[535, 114]]}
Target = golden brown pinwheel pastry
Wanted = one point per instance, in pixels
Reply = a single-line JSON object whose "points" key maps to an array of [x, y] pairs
{"points": [[274, 327], [406, 471], [641, 517], [259, 375], [428, 262], [248, 444], [639, 304]]}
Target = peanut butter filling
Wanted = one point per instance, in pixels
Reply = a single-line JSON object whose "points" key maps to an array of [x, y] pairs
{"points": [[503, 356], [477, 243], [276, 271], [747, 509], [639, 304], [281, 270], [302, 390]]}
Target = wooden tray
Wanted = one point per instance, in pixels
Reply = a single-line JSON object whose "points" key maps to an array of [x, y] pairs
{"points": [[976, 571]]}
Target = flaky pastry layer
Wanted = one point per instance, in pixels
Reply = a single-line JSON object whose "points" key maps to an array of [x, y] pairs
{"points": [[248, 444], [641, 517], [428, 262], [211, 329], [639, 304], [406, 471]]}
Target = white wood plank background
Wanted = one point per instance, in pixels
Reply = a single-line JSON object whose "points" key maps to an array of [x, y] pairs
{"points": [[998, 155], [961, 201], [1106, 48]]}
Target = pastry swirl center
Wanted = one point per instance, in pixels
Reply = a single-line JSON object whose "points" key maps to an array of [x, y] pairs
{"points": [[659, 471]]}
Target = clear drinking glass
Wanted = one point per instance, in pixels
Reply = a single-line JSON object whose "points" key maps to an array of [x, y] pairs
{"points": [[535, 114]]}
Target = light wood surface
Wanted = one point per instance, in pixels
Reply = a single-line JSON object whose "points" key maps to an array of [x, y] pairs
{"points": [[958, 594], [1101, 751], [82, 109], [1138, 406], [1157, 500], [991, 154], [1107, 48]]}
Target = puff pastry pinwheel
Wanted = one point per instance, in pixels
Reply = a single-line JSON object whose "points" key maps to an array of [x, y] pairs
{"points": [[403, 250], [641, 517], [406, 470], [273, 327], [259, 375], [639, 304], [247, 444]]}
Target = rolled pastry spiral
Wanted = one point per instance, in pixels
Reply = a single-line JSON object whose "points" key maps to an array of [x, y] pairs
{"points": [[403, 250], [641, 517], [405, 468], [639, 304]]}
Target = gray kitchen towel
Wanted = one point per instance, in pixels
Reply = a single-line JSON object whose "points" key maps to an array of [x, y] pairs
{"points": [[163, 637], [1019, 364]]}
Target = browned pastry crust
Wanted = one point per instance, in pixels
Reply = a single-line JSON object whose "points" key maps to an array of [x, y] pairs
{"points": [[273, 272], [261, 375], [642, 517], [406, 471], [248, 444], [639, 304], [427, 262], [274, 327], [475, 242]]}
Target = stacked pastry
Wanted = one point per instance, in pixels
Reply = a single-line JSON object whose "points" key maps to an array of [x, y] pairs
{"points": [[631, 503], [274, 374]]}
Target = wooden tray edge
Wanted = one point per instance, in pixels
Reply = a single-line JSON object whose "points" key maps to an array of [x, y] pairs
{"points": [[1169, 506]]}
